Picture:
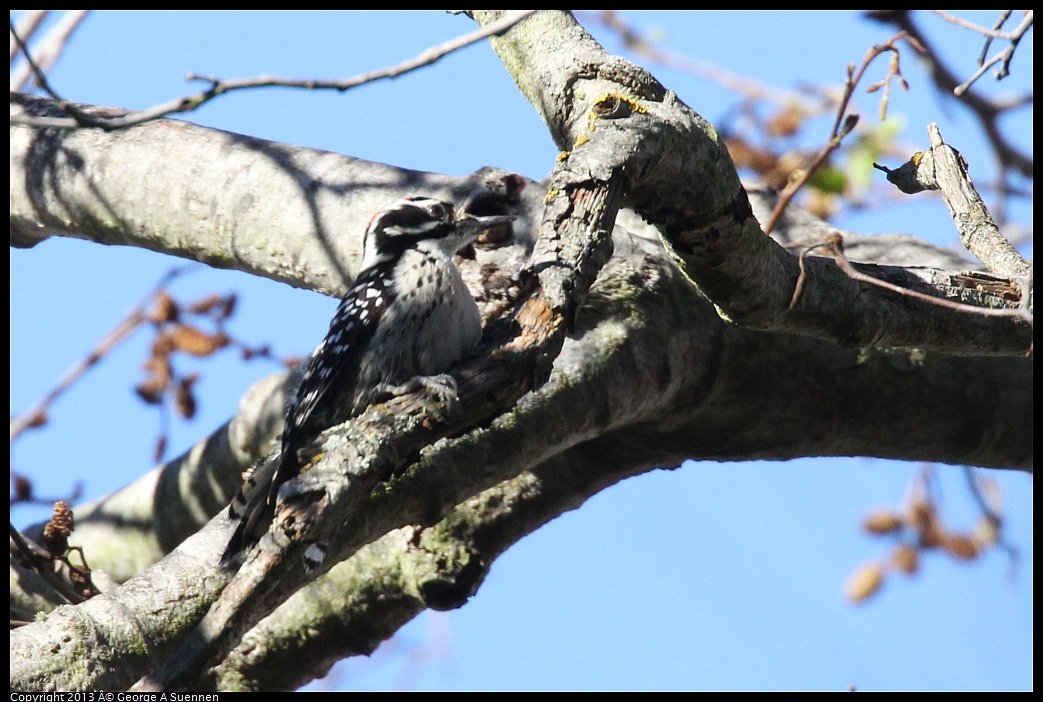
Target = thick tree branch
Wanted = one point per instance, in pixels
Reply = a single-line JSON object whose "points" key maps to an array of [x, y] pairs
{"points": [[603, 110], [275, 210], [294, 214], [629, 365], [609, 409]]}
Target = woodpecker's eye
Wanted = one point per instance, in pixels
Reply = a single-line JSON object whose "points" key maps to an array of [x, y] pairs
{"points": [[437, 210]]}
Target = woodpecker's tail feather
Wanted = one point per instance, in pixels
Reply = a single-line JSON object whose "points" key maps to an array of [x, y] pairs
{"points": [[250, 506]]}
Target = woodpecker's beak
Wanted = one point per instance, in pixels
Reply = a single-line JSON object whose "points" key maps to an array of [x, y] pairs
{"points": [[483, 232], [468, 221]]}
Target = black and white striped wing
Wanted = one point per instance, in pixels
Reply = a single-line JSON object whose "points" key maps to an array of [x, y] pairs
{"points": [[324, 398]]}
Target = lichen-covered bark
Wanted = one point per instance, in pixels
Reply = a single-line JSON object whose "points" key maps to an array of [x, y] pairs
{"points": [[602, 358]]}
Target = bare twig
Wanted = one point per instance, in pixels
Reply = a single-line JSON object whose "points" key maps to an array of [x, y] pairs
{"points": [[37, 415], [1000, 21], [917, 528], [842, 125], [31, 555], [834, 246], [41, 78], [218, 86], [987, 112], [1004, 57], [46, 51], [743, 85], [993, 33], [28, 22], [989, 508]]}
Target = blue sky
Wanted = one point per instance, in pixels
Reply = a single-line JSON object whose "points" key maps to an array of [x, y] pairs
{"points": [[712, 576]]}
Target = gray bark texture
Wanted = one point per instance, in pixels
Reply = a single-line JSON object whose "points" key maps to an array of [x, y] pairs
{"points": [[648, 322]]}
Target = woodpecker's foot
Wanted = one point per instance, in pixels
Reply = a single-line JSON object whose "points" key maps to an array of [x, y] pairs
{"points": [[441, 388]]}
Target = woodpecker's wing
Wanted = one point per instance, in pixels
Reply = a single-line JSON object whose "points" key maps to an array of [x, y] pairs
{"points": [[332, 369]]}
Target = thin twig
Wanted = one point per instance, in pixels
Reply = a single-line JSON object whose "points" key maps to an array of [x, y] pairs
{"points": [[990, 513], [41, 79], [1000, 21], [842, 125], [1003, 58], [34, 556], [745, 86], [805, 174], [37, 415], [48, 49], [967, 24], [988, 112], [28, 22], [834, 246], [188, 103]]}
